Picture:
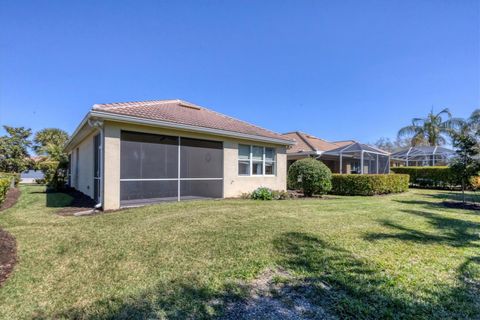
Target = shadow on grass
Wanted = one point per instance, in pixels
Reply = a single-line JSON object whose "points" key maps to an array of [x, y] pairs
{"points": [[470, 196], [352, 287], [177, 299], [66, 198], [448, 231], [340, 282]]}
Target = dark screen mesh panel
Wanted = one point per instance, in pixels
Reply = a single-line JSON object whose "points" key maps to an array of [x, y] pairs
{"points": [[148, 156], [133, 190], [201, 188], [201, 158]]}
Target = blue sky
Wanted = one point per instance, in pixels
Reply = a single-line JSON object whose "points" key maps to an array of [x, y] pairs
{"points": [[335, 69]]}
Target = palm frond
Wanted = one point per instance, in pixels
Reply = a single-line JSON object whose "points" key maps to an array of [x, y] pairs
{"points": [[408, 131], [444, 111]]}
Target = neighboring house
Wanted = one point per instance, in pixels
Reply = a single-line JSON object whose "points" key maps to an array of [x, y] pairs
{"points": [[340, 156], [125, 154], [422, 156]]}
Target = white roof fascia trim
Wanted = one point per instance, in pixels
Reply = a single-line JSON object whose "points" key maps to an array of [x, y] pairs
{"points": [[167, 124], [79, 127]]}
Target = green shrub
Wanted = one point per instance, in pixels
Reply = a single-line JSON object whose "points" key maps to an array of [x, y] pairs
{"points": [[11, 175], [369, 184], [54, 174], [429, 177], [311, 176], [262, 193], [4, 186]]}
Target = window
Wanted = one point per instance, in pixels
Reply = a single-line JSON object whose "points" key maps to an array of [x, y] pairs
{"points": [[244, 160], [255, 160], [269, 161]]}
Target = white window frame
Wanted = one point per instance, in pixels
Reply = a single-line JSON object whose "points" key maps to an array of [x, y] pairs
{"points": [[250, 174]]}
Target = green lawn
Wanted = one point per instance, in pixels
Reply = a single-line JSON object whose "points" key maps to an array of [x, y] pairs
{"points": [[399, 256]]}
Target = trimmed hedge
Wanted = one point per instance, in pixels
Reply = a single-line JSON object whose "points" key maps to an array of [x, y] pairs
{"points": [[429, 177], [4, 186], [368, 184], [11, 175]]}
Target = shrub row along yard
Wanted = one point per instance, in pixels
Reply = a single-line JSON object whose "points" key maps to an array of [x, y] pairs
{"points": [[6, 180], [430, 177], [369, 184], [396, 256]]}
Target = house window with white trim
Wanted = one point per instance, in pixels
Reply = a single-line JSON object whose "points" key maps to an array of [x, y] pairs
{"points": [[256, 160]]}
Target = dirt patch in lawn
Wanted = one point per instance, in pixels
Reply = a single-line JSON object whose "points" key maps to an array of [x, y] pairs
{"points": [[12, 197], [79, 204], [275, 294], [8, 255]]}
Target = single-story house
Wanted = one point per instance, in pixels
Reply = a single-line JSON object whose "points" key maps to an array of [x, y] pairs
{"points": [[125, 154], [349, 156]]}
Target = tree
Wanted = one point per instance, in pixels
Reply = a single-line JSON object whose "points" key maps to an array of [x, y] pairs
{"points": [[431, 130], [465, 165], [50, 142], [390, 146], [14, 146], [471, 126]]}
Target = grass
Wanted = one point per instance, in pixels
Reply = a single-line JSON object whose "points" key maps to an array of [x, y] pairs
{"points": [[398, 256]]}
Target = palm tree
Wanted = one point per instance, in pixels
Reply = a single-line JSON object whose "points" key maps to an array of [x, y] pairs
{"points": [[473, 122], [432, 129]]}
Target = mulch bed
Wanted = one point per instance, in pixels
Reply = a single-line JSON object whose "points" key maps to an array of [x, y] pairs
{"points": [[461, 205], [8, 255], [12, 196], [8, 245], [79, 203]]}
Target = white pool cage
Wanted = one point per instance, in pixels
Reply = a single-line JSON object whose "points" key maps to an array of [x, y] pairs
{"points": [[358, 158], [423, 156]]}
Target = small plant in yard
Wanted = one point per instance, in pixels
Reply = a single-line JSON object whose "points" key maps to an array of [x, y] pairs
{"points": [[310, 175], [262, 193]]}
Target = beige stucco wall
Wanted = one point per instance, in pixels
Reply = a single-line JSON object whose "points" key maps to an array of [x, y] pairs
{"points": [[234, 185], [85, 165], [111, 168]]}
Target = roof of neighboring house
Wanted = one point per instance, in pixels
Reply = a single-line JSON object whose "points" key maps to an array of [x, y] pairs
{"points": [[182, 112], [305, 143], [181, 115]]}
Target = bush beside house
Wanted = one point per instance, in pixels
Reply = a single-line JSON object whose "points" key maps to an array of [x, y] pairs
{"points": [[430, 177], [5, 184], [368, 184], [54, 172], [11, 175], [311, 176]]}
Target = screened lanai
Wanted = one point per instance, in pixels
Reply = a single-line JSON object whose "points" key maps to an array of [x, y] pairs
{"points": [[357, 158], [422, 156], [160, 167]]}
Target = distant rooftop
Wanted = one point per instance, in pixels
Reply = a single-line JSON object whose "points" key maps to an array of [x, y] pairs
{"points": [[305, 142]]}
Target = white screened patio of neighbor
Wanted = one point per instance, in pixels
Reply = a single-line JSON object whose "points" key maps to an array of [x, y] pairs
{"points": [[358, 158], [422, 156]]}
